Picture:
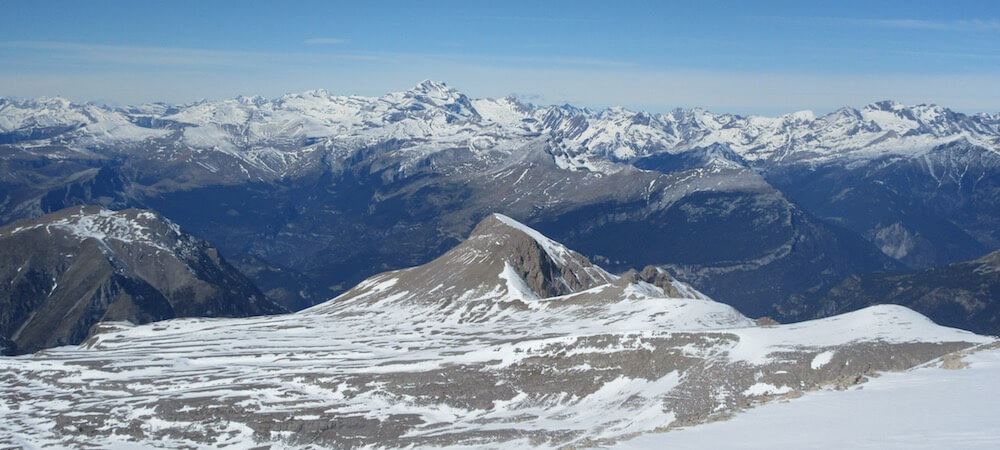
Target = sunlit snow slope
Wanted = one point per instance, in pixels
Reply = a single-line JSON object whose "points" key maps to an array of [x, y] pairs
{"points": [[928, 407]]}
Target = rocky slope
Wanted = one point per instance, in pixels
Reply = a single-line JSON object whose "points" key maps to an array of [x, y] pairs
{"points": [[509, 339], [925, 211], [964, 295], [71, 269]]}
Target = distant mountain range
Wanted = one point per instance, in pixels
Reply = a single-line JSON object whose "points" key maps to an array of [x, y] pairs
{"points": [[260, 134], [508, 339], [310, 193]]}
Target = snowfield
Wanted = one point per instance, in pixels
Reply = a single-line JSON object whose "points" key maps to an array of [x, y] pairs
{"points": [[926, 407]]}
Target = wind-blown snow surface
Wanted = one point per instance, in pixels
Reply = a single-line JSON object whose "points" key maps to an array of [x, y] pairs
{"points": [[105, 225], [928, 407], [394, 364]]}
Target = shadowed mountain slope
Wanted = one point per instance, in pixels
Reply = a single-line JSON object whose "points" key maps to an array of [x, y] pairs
{"points": [[69, 270]]}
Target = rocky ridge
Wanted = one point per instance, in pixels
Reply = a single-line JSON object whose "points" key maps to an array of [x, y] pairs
{"points": [[74, 268]]}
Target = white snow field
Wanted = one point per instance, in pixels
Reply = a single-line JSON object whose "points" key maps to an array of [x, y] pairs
{"points": [[926, 407]]}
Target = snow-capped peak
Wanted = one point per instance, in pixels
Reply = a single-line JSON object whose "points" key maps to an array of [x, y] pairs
{"points": [[441, 95], [885, 105], [431, 87], [802, 116]]}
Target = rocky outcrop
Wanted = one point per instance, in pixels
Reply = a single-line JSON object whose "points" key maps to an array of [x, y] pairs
{"points": [[501, 261], [655, 276]]}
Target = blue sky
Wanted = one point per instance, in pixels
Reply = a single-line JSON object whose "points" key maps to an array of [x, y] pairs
{"points": [[743, 57]]}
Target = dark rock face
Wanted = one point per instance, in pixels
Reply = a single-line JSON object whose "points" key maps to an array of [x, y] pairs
{"points": [[549, 269], [653, 275], [501, 259], [74, 268], [304, 240], [937, 209], [750, 248], [962, 295]]}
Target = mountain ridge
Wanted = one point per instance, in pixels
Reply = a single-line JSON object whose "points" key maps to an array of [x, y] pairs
{"points": [[616, 133], [69, 270]]}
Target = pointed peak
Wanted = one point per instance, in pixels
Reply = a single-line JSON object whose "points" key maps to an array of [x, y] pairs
{"points": [[497, 221], [491, 223], [847, 111], [441, 97], [255, 100], [885, 105], [547, 267], [498, 224], [432, 87], [801, 116]]}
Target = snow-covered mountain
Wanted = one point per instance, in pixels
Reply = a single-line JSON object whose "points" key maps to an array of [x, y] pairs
{"points": [[68, 270], [509, 339]]}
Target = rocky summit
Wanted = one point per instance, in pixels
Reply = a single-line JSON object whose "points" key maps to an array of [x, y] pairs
{"points": [[508, 339]]}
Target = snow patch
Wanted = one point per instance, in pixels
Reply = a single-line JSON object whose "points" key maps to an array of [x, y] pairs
{"points": [[821, 359], [759, 389]]}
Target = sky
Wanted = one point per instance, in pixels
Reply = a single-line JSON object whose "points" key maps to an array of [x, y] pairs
{"points": [[739, 57]]}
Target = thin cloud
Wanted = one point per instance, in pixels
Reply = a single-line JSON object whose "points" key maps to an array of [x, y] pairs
{"points": [[939, 25], [134, 56], [144, 56], [183, 75], [137, 55], [970, 25], [324, 41]]}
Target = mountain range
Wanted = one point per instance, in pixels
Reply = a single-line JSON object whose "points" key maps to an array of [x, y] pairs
{"points": [[310, 193]]}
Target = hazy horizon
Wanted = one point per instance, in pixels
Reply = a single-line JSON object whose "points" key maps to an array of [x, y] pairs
{"points": [[745, 59]]}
